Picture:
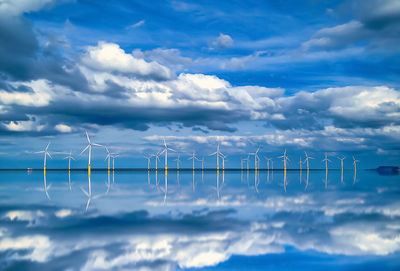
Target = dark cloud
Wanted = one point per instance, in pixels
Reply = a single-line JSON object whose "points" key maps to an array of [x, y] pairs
{"points": [[18, 48], [373, 24]]}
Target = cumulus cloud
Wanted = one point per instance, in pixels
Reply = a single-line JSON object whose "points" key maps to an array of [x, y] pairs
{"points": [[198, 100], [110, 57], [222, 42], [39, 247], [376, 23], [33, 217]]}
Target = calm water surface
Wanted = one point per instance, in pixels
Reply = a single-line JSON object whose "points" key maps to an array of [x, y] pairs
{"points": [[209, 221]]}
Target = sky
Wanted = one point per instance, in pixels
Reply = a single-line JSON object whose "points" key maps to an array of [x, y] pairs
{"points": [[315, 76]]}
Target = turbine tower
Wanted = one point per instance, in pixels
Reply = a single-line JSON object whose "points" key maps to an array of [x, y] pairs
{"points": [[326, 160], [307, 160], [355, 168], [341, 166], [157, 155], [326, 169], [193, 157], [69, 157], [341, 162], [113, 156], [89, 147], [108, 157], [269, 159], [223, 161], [165, 150], [256, 157], [218, 154], [285, 160], [148, 157], [178, 161], [46, 153]]}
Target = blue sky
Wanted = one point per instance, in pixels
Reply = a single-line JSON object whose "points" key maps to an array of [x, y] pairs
{"points": [[316, 76]]}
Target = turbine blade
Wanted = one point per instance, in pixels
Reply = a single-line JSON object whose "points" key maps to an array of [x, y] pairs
{"points": [[49, 155], [214, 153], [97, 196], [47, 146], [87, 204], [39, 152], [95, 144], [84, 191], [84, 149], [87, 136]]}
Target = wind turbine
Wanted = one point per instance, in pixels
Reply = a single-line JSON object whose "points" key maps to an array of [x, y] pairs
{"points": [[218, 155], [113, 156], [272, 163], [108, 157], [241, 163], [157, 155], [69, 157], [307, 160], [148, 157], [268, 159], [341, 166], [178, 161], [46, 153], [355, 168], [223, 161], [202, 163], [193, 157], [256, 157], [300, 165], [165, 150], [326, 160], [326, 168], [89, 147], [285, 160]]}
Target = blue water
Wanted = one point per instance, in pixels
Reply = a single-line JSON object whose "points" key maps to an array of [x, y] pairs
{"points": [[209, 221]]}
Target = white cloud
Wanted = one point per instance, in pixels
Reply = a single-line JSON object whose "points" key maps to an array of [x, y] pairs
{"points": [[110, 57], [63, 213], [223, 42], [63, 128], [17, 7], [23, 126], [136, 25], [32, 217], [39, 247], [187, 251], [337, 36], [42, 93]]}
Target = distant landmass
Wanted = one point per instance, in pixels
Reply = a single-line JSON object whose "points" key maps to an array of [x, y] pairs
{"points": [[388, 170]]}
